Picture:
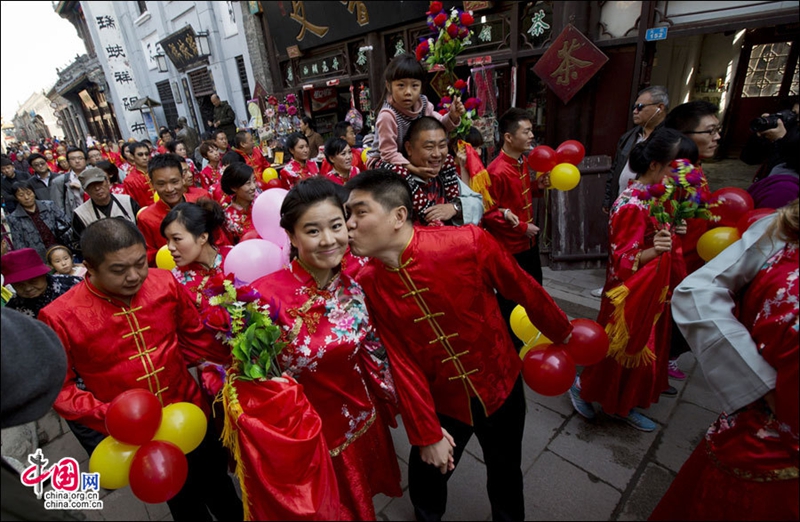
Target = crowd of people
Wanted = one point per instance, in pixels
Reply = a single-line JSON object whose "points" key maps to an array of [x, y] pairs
{"points": [[403, 272]]}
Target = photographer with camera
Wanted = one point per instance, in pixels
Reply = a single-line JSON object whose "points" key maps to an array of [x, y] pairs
{"points": [[775, 144]]}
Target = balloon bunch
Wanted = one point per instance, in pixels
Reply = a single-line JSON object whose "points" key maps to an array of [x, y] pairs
{"points": [[550, 369], [267, 250], [560, 163], [147, 445], [734, 210], [270, 177]]}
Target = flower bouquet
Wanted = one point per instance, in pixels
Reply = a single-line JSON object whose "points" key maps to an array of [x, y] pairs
{"points": [[642, 298], [680, 196], [451, 35], [275, 435]]}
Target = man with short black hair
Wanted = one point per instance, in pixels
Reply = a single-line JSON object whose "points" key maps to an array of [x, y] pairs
{"points": [[166, 177], [65, 189], [224, 117], [137, 182], [93, 156], [430, 293], [125, 327], [10, 176], [42, 176]]}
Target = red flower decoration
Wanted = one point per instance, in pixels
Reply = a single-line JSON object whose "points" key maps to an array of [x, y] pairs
{"points": [[443, 112], [440, 19], [435, 7], [460, 85], [466, 18], [247, 294], [272, 100], [472, 103], [694, 178], [452, 30], [657, 190], [216, 318], [642, 195], [463, 32], [422, 50]]}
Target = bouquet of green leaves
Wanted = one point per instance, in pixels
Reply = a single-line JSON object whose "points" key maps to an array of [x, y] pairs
{"points": [[681, 195], [244, 323]]}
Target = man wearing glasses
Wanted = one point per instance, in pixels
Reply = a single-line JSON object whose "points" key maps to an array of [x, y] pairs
{"points": [[649, 111], [137, 182], [41, 176]]}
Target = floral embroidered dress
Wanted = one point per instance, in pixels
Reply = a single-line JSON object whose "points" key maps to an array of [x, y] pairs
{"points": [[238, 221], [194, 277], [330, 340], [337, 178], [294, 172], [746, 468], [209, 176], [619, 385]]}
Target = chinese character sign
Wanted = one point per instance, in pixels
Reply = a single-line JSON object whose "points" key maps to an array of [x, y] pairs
{"points": [[114, 56], [570, 62]]}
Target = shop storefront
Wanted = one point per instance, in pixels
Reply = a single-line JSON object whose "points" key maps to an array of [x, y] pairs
{"points": [[321, 49]]}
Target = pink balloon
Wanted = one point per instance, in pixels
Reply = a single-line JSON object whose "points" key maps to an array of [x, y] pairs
{"points": [[267, 215], [252, 259], [285, 251]]}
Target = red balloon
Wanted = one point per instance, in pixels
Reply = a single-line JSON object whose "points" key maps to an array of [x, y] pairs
{"points": [[250, 234], [588, 344], [158, 471], [548, 372], [542, 159], [751, 217], [133, 417], [571, 151], [274, 183], [730, 203]]}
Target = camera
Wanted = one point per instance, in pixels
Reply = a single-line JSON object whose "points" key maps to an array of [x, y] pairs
{"points": [[771, 121]]}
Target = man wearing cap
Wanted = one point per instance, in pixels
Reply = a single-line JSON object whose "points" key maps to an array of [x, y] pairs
{"points": [[102, 203], [10, 176], [35, 286]]}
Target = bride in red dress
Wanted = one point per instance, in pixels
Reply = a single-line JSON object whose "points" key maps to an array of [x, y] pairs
{"points": [[746, 467], [191, 231], [332, 349], [645, 263]]}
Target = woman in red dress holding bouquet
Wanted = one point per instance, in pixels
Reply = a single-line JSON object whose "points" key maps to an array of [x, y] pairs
{"points": [[191, 230], [332, 349], [645, 264]]}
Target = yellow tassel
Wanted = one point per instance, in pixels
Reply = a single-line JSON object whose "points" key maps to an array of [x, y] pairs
{"points": [[480, 183], [230, 439], [618, 336]]}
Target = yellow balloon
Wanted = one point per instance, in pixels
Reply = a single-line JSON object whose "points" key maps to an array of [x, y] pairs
{"points": [[182, 424], [156, 197], [364, 154], [521, 325], [714, 241], [269, 174], [565, 176], [112, 459], [164, 258]]}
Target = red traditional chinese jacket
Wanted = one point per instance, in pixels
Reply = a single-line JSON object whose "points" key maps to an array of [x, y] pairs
{"points": [[149, 222], [438, 317], [511, 188], [137, 184], [114, 347]]}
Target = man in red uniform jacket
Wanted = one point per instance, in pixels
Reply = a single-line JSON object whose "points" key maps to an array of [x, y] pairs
{"points": [[245, 145], [124, 327], [511, 222], [137, 182], [430, 292], [166, 176]]}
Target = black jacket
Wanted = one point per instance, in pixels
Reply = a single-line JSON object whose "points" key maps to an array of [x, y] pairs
{"points": [[624, 146], [9, 201]]}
